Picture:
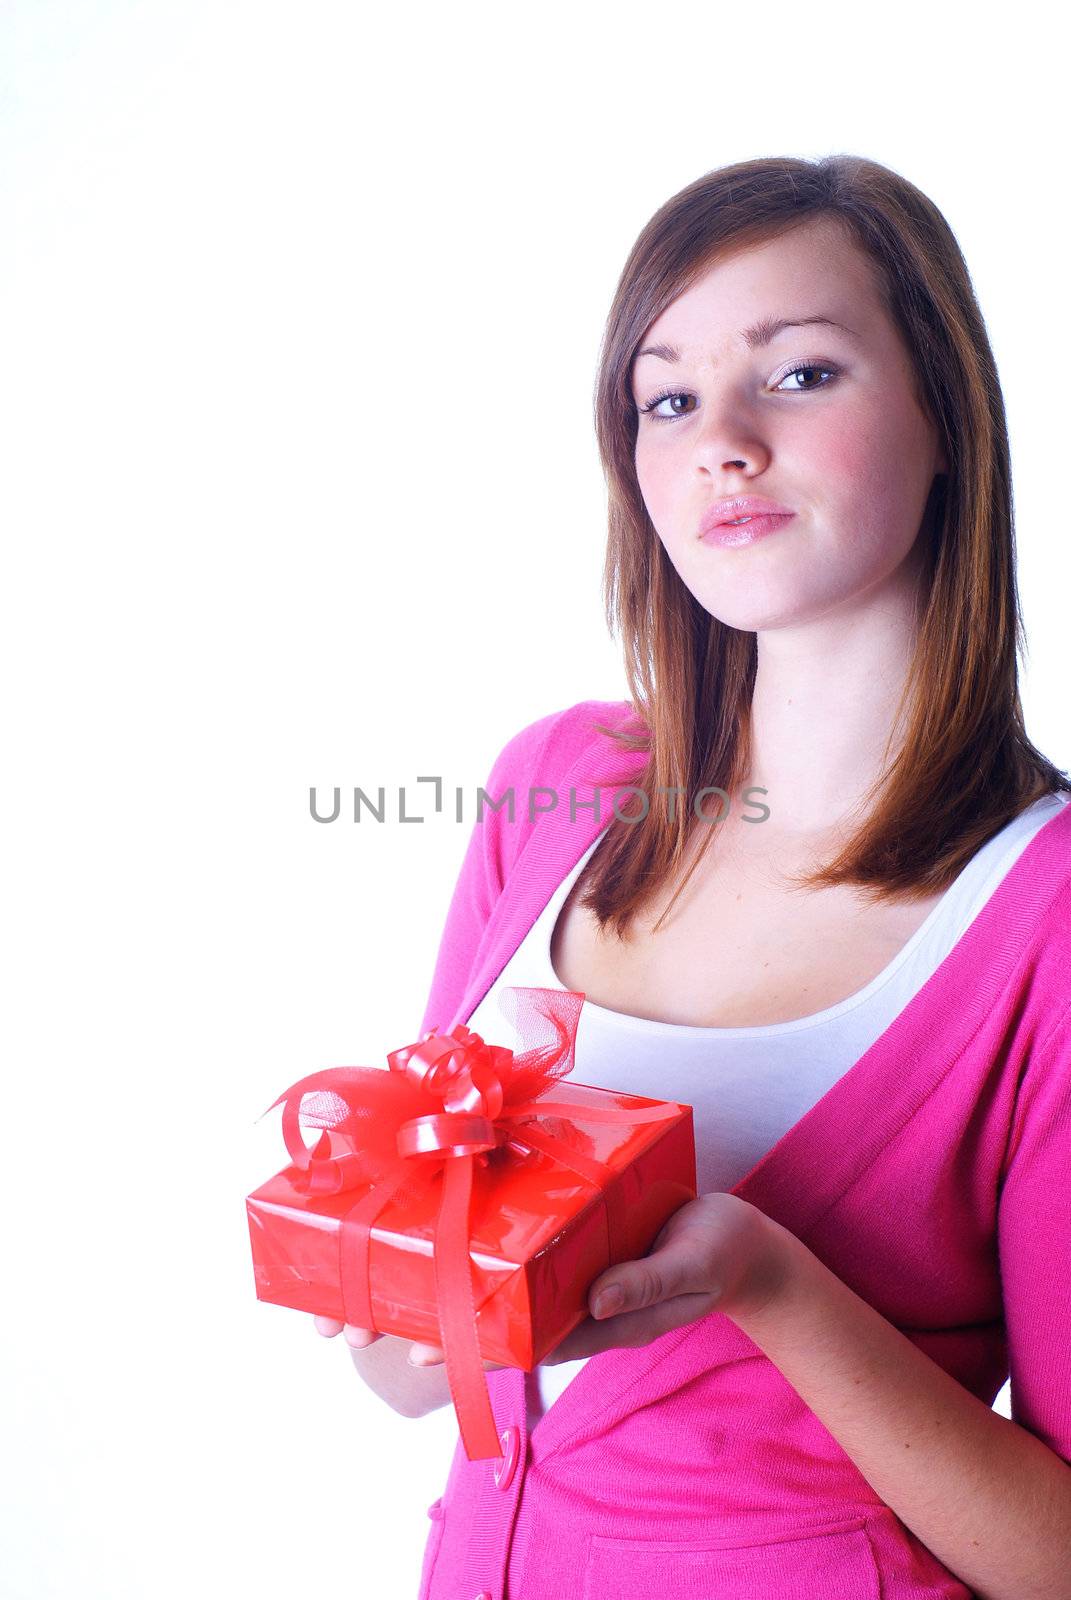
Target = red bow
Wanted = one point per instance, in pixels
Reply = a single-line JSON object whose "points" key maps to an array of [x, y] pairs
{"points": [[448, 1100]]}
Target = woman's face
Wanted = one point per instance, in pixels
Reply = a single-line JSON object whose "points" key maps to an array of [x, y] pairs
{"points": [[842, 443]]}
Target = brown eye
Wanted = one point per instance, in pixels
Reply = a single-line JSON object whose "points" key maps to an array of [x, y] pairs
{"points": [[671, 397], [809, 370]]}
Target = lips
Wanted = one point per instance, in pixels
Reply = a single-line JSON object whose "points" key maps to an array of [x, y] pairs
{"points": [[739, 510]]}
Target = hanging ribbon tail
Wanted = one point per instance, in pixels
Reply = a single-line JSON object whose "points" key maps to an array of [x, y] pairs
{"points": [[457, 1315]]}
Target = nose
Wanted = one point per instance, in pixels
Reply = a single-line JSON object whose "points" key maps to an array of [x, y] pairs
{"points": [[728, 437]]}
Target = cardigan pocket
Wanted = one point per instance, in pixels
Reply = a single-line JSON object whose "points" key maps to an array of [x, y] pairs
{"points": [[431, 1549], [827, 1563]]}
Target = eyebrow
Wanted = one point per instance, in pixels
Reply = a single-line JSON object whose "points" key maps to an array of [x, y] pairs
{"points": [[759, 334]]}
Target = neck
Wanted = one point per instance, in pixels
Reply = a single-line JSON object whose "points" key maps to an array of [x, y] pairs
{"points": [[824, 708]]}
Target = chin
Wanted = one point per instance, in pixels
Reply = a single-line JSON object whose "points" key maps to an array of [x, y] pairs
{"points": [[741, 604], [750, 615]]}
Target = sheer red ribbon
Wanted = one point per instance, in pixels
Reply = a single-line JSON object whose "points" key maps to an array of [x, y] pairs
{"points": [[446, 1102]]}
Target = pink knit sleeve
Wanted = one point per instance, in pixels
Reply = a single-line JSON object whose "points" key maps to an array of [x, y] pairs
{"points": [[1034, 1238], [492, 848]]}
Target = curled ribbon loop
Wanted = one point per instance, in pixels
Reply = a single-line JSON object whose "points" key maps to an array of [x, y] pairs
{"points": [[447, 1102], [449, 1135]]}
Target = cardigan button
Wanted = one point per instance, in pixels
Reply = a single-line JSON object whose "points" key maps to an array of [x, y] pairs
{"points": [[507, 1467], [483, 1595]]}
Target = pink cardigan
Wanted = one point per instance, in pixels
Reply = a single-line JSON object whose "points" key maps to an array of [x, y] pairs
{"points": [[932, 1178]]}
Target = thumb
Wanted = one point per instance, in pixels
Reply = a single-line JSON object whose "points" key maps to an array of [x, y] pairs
{"points": [[633, 1285]]}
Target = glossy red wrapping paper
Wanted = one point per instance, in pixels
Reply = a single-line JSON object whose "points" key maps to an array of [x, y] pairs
{"points": [[563, 1193]]}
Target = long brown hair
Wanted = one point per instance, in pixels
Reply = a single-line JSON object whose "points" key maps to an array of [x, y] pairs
{"points": [[966, 766]]}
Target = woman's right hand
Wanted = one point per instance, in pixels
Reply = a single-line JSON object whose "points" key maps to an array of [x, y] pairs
{"points": [[407, 1376], [420, 1355]]}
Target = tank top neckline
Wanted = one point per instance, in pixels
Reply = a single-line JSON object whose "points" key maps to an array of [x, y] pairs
{"points": [[543, 933]]}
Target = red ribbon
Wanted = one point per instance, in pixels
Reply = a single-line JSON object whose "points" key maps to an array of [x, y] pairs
{"points": [[447, 1101]]}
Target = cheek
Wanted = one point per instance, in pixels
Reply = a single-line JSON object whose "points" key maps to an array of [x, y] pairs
{"points": [[845, 454], [864, 474], [644, 472], [659, 478]]}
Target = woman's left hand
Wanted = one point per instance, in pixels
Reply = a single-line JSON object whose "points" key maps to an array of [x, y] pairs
{"points": [[716, 1253]]}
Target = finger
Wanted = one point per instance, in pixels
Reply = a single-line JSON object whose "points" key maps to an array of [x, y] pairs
{"points": [[674, 1269], [360, 1338], [426, 1355], [629, 1330], [430, 1355], [633, 1286], [328, 1326], [579, 1343]]}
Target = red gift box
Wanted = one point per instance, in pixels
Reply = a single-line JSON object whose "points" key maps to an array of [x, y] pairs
{"points": [[468, 1197]]}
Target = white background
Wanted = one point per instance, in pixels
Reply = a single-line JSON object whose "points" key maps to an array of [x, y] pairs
{"points": [[301, 307]]}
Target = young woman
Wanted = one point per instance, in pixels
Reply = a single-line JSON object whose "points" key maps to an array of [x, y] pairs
{"points": [[814, 881]]}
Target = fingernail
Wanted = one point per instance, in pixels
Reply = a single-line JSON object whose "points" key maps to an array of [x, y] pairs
{"points": [[607, 1301]]}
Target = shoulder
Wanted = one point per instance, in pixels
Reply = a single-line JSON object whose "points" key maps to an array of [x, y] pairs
{"points": [[544, 750], [563, 747], [1038, 899], [1039, 991]]}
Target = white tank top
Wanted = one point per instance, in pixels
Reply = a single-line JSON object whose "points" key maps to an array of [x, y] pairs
{"points": [[747, 1086]]}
